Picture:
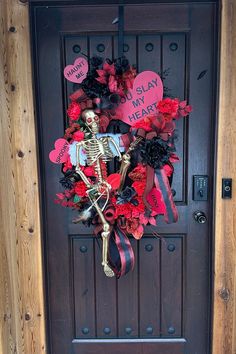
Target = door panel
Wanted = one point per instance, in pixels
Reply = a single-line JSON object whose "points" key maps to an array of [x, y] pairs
{"points": [[163, 306]]}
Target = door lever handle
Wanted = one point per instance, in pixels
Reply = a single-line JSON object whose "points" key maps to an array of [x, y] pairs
{"points": [[200, 217]]}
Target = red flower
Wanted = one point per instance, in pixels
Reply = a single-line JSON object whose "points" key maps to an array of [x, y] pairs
{"points": [[184, 109], [139, 187], [105, 73], [89, 171], [60, 196], [138, 173], [169, 107], [74, 111], [80, 189], [122, 209], [144, 124], [138, 209], [134, 228], [78, 136], [67, 165], [69, 131]]}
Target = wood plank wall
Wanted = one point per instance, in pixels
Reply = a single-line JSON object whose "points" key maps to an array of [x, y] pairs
{"points": [[21, 287], [224, 321], [22, 322]]}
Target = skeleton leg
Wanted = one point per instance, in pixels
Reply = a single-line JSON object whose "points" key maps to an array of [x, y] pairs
{"points": [[105, 240]]}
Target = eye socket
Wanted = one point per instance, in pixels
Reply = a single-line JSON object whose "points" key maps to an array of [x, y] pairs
{"points": [[96, 118], [89, 120]]}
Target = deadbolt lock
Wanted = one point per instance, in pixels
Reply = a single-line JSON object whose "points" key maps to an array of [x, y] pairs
{"points": [[200, 217]]}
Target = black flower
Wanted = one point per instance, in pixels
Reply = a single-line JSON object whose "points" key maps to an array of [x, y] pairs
{"points": [[66, 183], [127, 194], [156, 152]]}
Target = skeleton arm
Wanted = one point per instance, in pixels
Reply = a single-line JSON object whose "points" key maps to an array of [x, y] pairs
{"points": [[78, 169], [126, 162], [110, 139]]}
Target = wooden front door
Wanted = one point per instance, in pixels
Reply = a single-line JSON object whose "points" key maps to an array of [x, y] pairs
{"points": [[163, 306]]}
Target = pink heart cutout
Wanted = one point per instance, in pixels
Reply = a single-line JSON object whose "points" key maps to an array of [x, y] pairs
{"points": [[76, 72], [142, 99], [154, 198], [60, 154]]}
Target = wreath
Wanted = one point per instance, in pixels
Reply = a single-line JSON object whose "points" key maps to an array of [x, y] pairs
{"points": [[117, 154]]}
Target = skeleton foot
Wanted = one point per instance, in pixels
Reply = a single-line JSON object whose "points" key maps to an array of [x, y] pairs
{"points": [[107, 269]]}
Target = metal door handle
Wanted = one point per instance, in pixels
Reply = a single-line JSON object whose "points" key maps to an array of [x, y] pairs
{"points": [[200, 217]]}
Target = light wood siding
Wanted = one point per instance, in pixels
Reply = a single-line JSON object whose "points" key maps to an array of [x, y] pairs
{"points": [[21, 285], [224, 330]]}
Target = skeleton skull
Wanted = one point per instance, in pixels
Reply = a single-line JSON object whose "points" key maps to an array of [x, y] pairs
{"points": [[91, 120]]}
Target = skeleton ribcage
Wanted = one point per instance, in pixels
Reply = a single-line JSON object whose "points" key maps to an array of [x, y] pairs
{"points": [[98, 149]]}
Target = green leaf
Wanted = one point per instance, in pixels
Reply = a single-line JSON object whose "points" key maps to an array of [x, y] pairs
{"points": [[76, 198]]}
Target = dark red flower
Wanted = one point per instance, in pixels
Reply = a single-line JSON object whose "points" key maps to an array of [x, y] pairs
{"points": [[138, 173], [74, 111], [69, 131], [80, 189]]}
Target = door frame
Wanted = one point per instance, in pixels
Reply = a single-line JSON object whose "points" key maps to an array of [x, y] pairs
{"points": [[21, 251]]}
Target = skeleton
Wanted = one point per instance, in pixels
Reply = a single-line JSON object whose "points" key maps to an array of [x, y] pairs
{"points": [[97, 150]]}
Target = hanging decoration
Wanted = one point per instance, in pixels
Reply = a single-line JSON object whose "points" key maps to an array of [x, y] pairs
{"points": [[117, 154]]}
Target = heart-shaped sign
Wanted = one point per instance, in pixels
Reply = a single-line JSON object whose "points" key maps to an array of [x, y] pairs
{"points": [[142, 99], [60, 154], [154, 198], [78, 71]]}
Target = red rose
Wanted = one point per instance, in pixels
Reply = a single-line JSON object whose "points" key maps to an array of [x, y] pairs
{"points": [[80, 189], [78, 136], [74, 111], [168, 107]]}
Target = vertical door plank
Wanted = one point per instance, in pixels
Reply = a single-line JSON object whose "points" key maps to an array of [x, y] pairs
{"points": [[174, 62], [149, 53], [83, 280], [100, 46], [149, 273], [171, 291], [129, 48], [106, 299], [128, 301]]}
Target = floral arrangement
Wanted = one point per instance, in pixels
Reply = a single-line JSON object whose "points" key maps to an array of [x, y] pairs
{"points": [[139, 191]]}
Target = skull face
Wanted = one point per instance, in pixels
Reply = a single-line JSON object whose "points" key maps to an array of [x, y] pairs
{"points": [[91, 120]]}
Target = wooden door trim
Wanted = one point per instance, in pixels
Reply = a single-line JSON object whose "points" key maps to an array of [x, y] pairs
{"points": [[21, 277]]}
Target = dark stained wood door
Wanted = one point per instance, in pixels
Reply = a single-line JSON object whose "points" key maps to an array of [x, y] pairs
{"points": [[163, 306]]}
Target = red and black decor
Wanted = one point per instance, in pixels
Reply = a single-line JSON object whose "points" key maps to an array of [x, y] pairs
{"points": [[118, 182]]}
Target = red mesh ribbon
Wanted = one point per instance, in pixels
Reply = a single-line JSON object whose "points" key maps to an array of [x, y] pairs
{"points": [[120, 253]]}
